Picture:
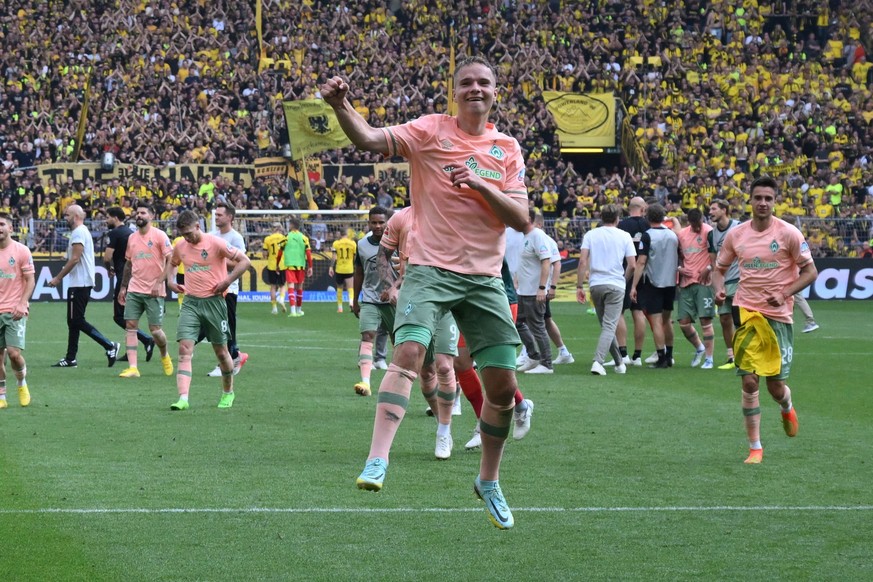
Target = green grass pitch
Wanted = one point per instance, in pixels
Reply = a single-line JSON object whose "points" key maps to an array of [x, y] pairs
{"points": [[634, 478]]}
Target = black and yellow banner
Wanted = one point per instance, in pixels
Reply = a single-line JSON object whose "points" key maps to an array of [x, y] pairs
{"points": [[238, 174], [312, 128], [584, 120]]}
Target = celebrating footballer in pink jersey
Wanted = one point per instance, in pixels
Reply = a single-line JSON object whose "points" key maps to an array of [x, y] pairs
{"points": [[466, 185]]}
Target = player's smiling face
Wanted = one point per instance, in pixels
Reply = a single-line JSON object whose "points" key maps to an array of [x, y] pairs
{"points": [[475, 88]]}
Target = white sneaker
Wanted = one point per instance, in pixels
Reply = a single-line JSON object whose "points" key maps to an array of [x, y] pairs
{"points": [[810, 327], [625, 360], [707, 364], [275, 311], [443, 448], [456, 406], [522, 421], [621, 369], [522, 357], [698, 357], [380, 365], [216, 373], [597, 369], [638, 362], [476, 441], [540, 369], [653, 359], [528, 364], [566, 358]]}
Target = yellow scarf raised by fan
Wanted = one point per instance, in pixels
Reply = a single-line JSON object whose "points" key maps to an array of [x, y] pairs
{"points": [[756, 348]]}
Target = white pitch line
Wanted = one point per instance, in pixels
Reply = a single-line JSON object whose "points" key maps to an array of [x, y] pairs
{"points": [[365, 510]]}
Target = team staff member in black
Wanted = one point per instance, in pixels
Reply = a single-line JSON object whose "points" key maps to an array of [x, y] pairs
{"points": [[635, 224], [113, 260], [658, 260]]}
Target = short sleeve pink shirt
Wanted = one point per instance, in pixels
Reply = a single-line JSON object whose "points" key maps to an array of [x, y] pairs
{"points": [[695, 253], [146, 254], [461, 232], [205, 263], [769, 261], [15, 262], [396, 231]]}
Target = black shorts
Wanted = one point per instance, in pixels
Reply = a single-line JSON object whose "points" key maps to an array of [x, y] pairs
{"points": [[340, 278], [275, 278], [628, 304], [548, 313], [655, 300]]}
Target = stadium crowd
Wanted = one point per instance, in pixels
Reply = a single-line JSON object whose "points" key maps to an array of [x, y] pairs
{"points": [[716, 92]]}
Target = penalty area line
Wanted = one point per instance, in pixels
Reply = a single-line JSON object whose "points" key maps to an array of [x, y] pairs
{"points": [[366, 510]]}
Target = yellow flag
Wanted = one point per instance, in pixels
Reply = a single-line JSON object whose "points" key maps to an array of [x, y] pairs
{"points": [[312, 128], [583, 119]]}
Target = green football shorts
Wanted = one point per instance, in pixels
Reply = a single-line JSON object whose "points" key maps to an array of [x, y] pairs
{"points": [[136, 304], [477, 302], [696, 301], [12, 331], [730, 289], [207, 313], [373, 314], [785, 339]]}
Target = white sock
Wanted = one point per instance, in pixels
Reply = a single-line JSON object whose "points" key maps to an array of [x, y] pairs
{"points": [[444, 430]]}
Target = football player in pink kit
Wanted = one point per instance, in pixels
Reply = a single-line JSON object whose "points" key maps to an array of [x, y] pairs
{"points": [[695, 294], [142, 287], [205, 257], [770, 253], [16, 286], [466, 184], [437, 376]]}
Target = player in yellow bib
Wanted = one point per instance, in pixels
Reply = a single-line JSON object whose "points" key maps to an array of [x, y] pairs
{"points": [[342, 269]]}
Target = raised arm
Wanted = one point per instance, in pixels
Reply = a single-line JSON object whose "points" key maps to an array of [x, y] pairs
{"points": [[361, 133]]}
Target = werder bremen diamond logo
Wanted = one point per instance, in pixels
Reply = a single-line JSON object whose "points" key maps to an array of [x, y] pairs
{"points": [[204, 254], [774, 246], [11, 261]]}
